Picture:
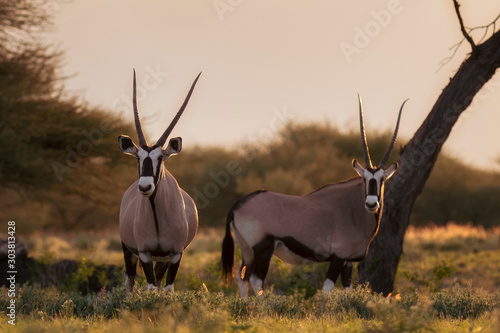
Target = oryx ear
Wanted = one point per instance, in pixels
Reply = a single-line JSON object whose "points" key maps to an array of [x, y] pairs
{"points": [[127, 146], [174, 147], [390, 171], [359, 169]]}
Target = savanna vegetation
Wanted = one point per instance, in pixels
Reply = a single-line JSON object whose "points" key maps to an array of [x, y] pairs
{"points": [[63, 176], [56, 151], [61, 169], [299, 160], [447, 282]]}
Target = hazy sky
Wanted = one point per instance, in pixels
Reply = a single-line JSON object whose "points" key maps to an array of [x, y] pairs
{"points": [[267, 62]]}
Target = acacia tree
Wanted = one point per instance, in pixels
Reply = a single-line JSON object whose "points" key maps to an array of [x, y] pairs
{"points": [[417, 159], [58, 155]]}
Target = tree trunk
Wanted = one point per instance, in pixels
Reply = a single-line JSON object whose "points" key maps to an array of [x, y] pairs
{"points": [[416, 161]]}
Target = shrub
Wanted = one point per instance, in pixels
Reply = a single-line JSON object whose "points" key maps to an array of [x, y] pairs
{"points": [[462, 303], [345, 301], [392, 317]]}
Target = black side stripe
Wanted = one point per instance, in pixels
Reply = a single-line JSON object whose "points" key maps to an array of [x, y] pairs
{"points": [[153, 207]]}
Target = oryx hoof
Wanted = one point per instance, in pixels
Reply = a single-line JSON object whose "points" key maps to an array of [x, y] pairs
{"points": [[328, 285], [129, 284]]}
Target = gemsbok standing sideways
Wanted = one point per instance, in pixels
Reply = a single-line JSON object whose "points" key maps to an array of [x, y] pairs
{"points": [[158, 220], [335, 224]]}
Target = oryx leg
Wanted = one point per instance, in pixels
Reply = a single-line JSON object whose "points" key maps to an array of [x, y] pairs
{"points": [[346, 275], [244, 275], [173, 266], [336, 266], [147, 267], [247, 263], [160, 269], [263, 251], [242, 284], [130, 268]]}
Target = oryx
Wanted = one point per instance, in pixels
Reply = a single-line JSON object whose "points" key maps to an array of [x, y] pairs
{"points": [[335, 224], [158, 220]]}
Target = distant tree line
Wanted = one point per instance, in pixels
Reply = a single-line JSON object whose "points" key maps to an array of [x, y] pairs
{"points": [[304, 157], [56, 153], [60, 167]]}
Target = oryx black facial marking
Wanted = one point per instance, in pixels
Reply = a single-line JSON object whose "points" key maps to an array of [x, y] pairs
{"points": [[158, 219], [372, 187], [373, 179], [150, 162], [335, 223], [147, 167]]}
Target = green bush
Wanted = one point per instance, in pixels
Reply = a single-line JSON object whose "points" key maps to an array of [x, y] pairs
{"points": [[354, 310], [462, 303], [301, 158], [392, 317], [345, 301]]}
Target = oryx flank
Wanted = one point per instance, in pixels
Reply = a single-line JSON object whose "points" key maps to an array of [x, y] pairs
{"points": [[335, 224], [158, 220]]}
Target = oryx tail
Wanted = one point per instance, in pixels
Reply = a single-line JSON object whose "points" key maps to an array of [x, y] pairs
{"points": [[228, 250], [227, 255]]}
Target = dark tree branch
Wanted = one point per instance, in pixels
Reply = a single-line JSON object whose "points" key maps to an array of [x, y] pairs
{"points": [[467, 33], [462, 27], [446, 60], [417, 161], [486, 28]]}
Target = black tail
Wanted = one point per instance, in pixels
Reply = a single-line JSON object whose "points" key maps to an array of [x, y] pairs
{"points": [[227, 256], [228, 243]]}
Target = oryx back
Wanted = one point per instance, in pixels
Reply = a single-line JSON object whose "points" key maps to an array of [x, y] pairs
{"points": [[309, 228]]}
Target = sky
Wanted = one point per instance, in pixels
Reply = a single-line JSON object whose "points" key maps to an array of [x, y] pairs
{"points": [[265, 63]]}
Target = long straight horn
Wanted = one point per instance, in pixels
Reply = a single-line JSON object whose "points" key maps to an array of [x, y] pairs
{"points": [[393, 141], [140, 133], [163, 138], [366, 153]]}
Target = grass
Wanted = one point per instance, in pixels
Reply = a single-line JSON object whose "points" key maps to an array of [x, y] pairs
{"points": [[200, 310], [440, 257], [448, 281]]}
